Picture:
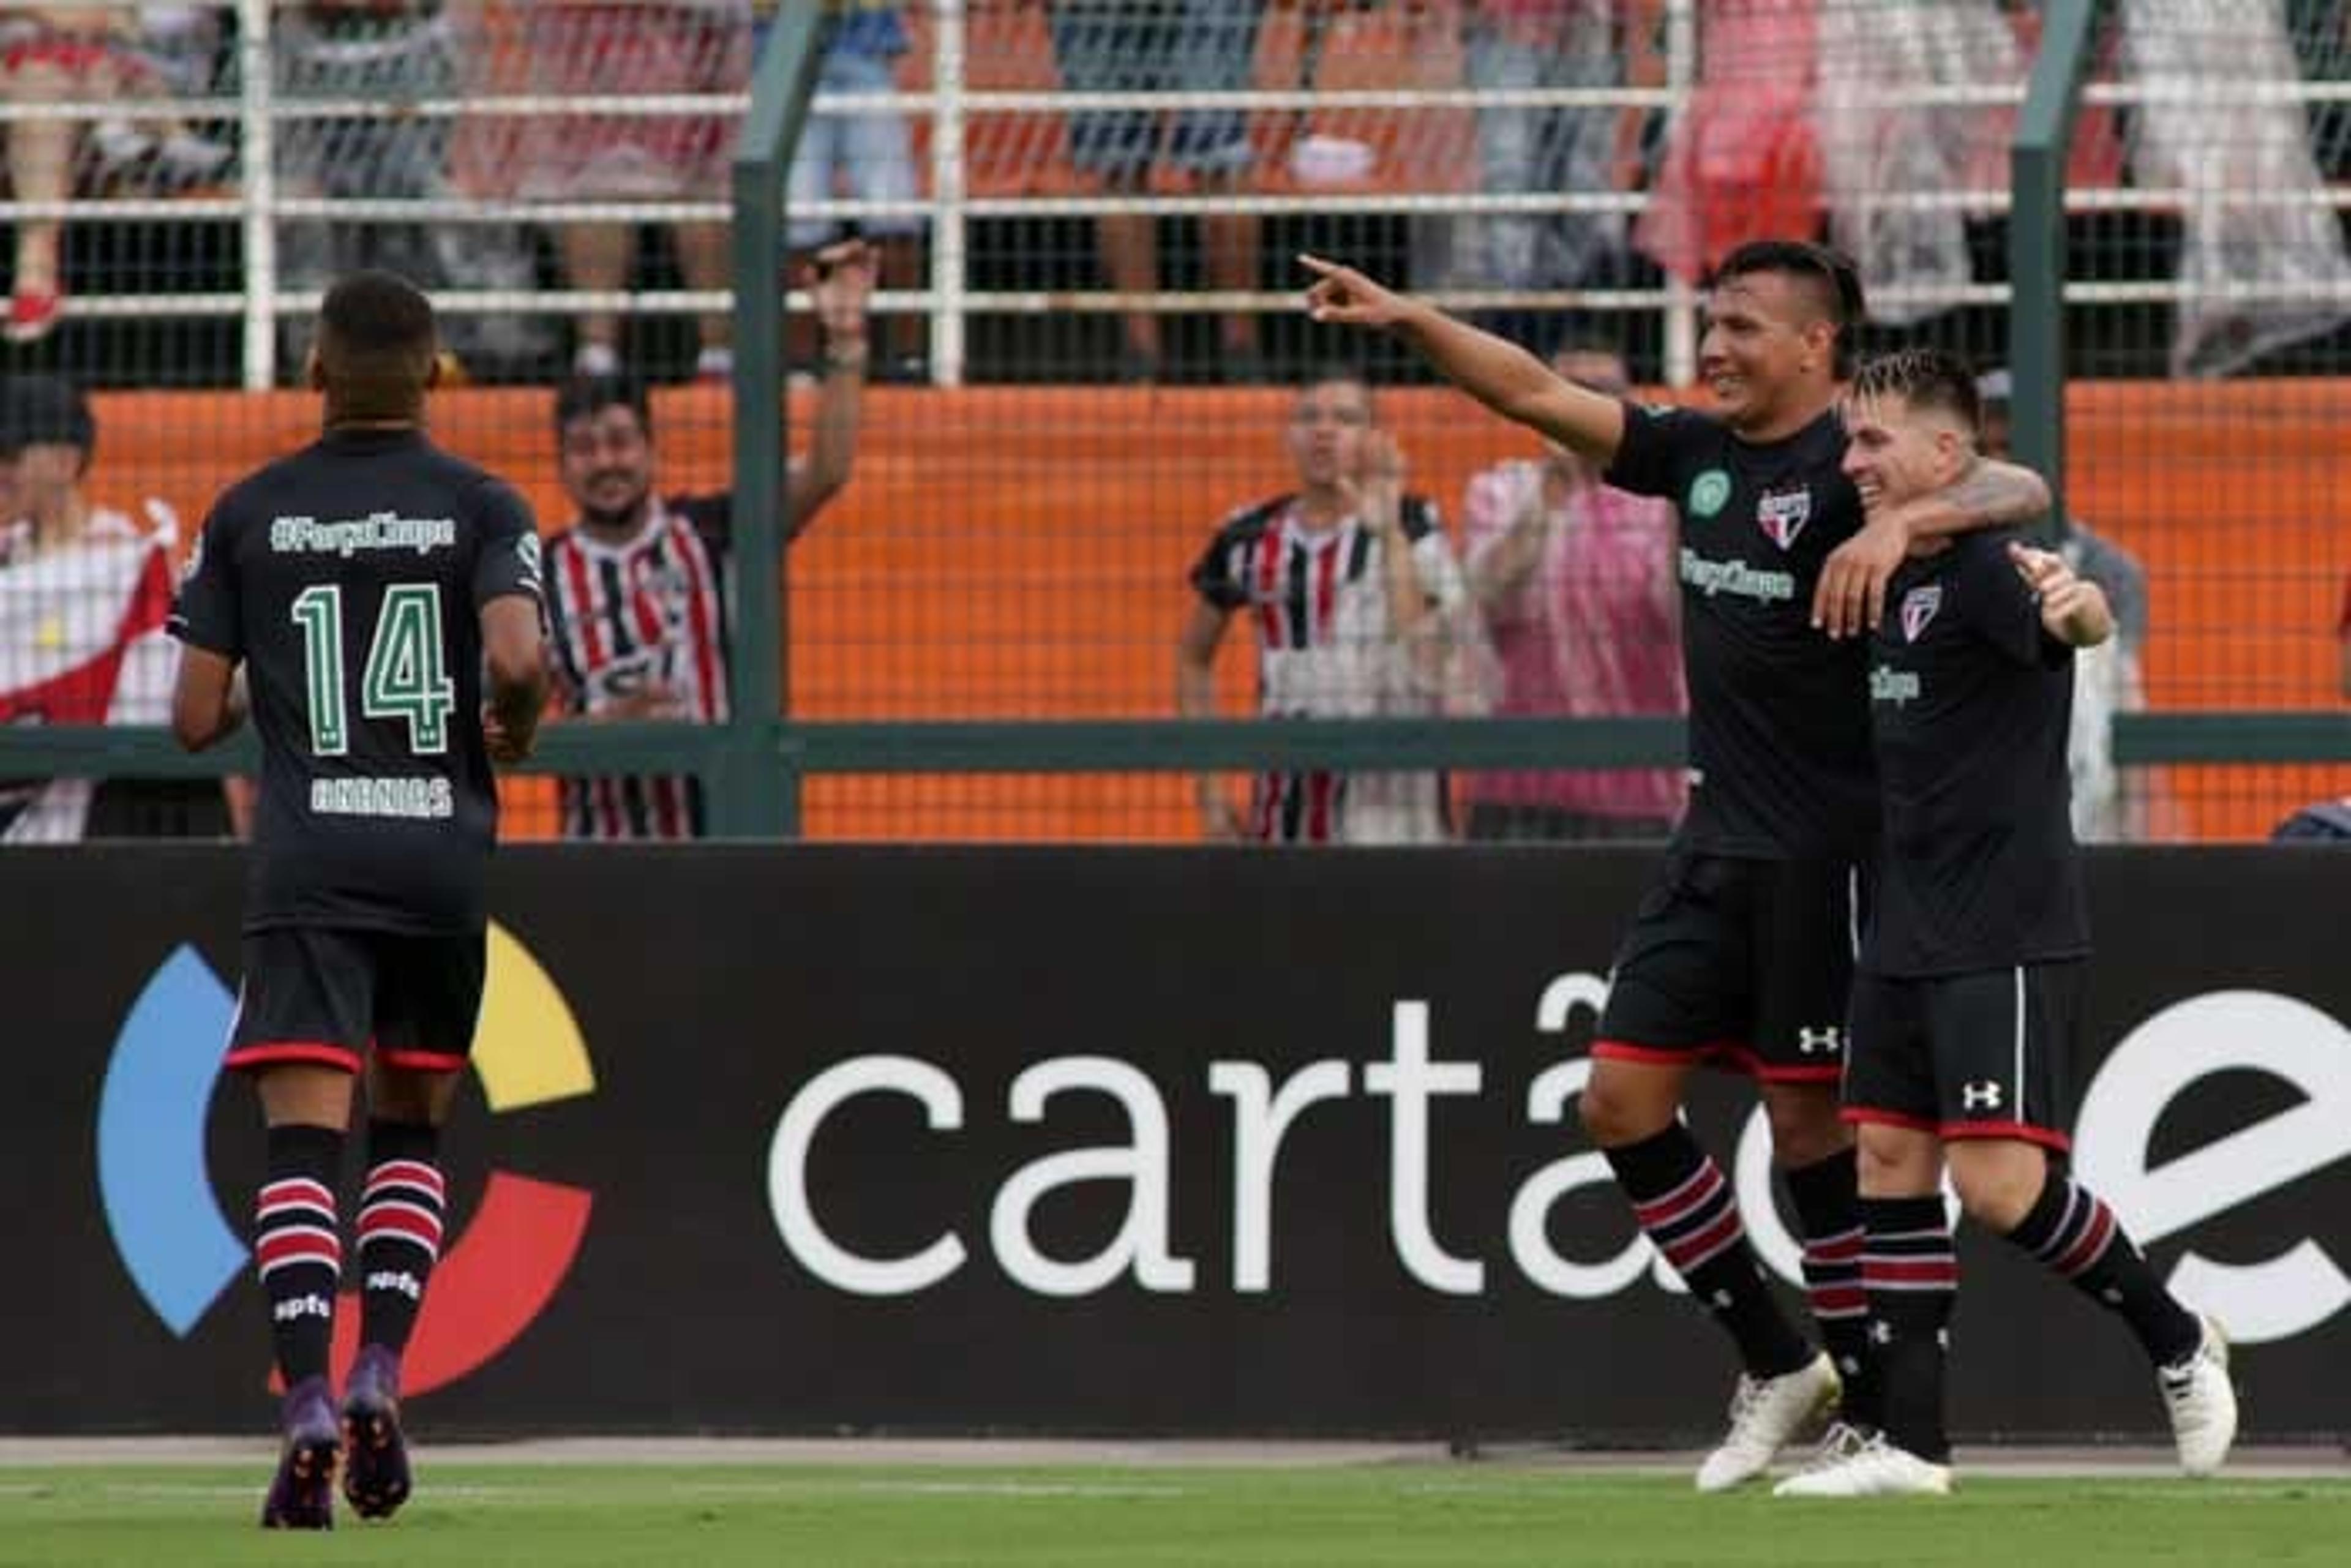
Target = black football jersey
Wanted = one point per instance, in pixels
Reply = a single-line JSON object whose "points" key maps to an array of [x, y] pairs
{"points": [[1778, 719], [1970, 700], [348, 578]]}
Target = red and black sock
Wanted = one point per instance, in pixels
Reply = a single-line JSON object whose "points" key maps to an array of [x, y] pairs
{"points": [[1828, 1200], [402, 1210], [2070, 1231], [1912, 1278], [298, 1246], [1689, 1211]]}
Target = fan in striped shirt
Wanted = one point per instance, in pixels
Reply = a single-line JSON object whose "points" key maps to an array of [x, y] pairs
{"points": [[1360, 609], [636, 585]]}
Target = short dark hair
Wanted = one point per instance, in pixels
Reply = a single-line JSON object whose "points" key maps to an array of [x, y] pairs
{"points": [[583, 396], [1321, 372], [1829, 276], [46, 411], [377, 341], [1340, 373], [1924, 379]]}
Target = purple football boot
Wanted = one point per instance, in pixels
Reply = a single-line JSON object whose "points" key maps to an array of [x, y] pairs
{"points": [[375, 1456], [302, 1496]]}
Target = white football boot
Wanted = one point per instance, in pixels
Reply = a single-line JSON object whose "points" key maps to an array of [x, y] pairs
{"points": [[2201, 1402], [1871, 1467], [1767, 1414]]}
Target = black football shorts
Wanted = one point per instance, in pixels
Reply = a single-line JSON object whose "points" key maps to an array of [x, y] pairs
{"points": [[327, 994], [1742, 964], [1986, 1054]]}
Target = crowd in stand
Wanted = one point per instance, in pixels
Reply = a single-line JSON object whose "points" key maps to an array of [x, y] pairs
{"points": [[1802, 115]]}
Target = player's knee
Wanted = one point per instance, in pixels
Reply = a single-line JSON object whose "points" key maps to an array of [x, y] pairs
{"points": [[1618, 1108], [398, 1094], [1998, 1185], [1805, 1127], [1884, 1161]]}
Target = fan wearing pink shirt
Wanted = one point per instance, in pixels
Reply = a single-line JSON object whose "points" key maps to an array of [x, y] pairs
{"points": [[1576, 584]]}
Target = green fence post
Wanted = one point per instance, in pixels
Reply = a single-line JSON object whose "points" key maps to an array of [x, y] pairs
{"points": [[756, 794], [2036, 246]]}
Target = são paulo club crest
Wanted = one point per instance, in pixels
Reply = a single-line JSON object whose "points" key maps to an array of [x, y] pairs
{"points": [[1782, 514], [1918, 607]]}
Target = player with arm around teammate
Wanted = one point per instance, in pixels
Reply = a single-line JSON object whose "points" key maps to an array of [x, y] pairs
{"points": [[1970, 977], [1741, 954], [376, 594]]}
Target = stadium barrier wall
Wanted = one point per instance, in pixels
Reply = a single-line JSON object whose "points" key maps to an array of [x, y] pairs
{"points": [[1060, 1140]]}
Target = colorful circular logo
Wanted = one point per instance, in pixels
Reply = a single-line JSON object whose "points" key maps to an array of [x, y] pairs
{"points": [[182, 1253]]}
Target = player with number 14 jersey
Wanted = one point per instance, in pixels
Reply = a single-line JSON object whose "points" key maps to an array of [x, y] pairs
{"points": [[362, 629]]}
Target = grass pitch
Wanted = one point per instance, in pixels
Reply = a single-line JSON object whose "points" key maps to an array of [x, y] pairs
{"points": [[1435, 1515]]}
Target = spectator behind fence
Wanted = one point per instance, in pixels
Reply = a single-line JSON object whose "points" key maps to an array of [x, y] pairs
{"points": [[1514, 46], [2263, 257], [635, 585], [866, 157], [2321, 823], [1740, 161], [1577, 586], [9, 392], [590, 53], [2343, 635], [2107, 679], [1889, 130], [1167, 46], [57, 54], [400, 52], [1360, 610], [174, 52], [84, 592]]}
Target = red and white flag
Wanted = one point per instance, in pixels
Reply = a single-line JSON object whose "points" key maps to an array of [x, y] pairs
{"points": [[82, 641]]}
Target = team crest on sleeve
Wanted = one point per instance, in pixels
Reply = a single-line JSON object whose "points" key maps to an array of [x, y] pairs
{"points": [[1782, 514], [1918, 607]]}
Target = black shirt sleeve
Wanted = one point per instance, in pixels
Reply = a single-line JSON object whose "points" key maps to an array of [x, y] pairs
{"points": [[205, 613], [509, 558], [1213, 578], [1219, 575], [1657, 449], [2000, 606]]}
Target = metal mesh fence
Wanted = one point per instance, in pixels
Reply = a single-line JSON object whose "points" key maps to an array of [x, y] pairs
{"points": [[2206, 411], [1084, 355]]}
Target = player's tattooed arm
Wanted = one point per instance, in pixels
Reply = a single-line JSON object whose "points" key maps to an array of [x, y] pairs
{"points": [[1851, 595], [1990, 494]]}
